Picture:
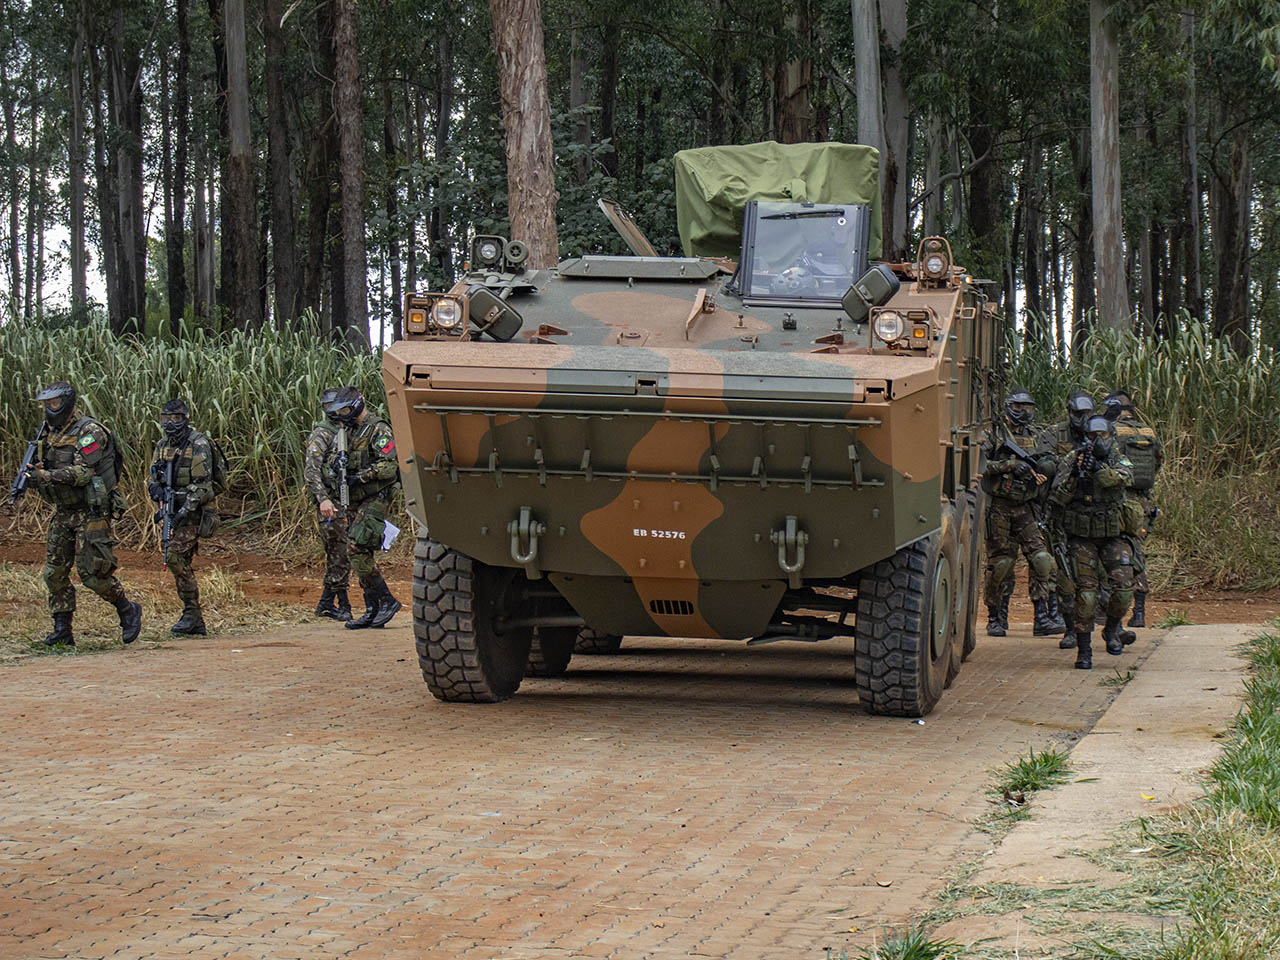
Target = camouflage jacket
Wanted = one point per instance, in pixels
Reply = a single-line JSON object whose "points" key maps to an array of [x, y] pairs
{"points": [[1058, 439], [371, 461], [193, 470], [1092, 505], [1140, 444], [79, 466], [1008, 477]]}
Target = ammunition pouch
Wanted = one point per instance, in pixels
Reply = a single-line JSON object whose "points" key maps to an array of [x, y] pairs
{"points": [[209, 523], [366, 532], [1134, 518]]}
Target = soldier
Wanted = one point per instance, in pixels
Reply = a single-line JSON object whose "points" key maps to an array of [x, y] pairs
{"points": [[77, 472], [1057, 441], [1015, 484], [182, 477], [350, 470], [1090, 490], [1140, 444]]}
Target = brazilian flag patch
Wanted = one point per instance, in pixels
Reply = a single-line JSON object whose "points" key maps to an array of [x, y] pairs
{"points": [[385, 445], [88, 443]]}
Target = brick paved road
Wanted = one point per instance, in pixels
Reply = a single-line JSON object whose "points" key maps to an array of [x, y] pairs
{"points": [[301, 795]]}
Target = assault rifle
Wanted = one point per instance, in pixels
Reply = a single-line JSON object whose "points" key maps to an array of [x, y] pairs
{"points": [[19, 486], [341, 462], [168, 506]]}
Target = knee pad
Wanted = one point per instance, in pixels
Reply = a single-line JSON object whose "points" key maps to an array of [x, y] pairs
{"points": [[1001, 568], [1087, 601], [1043, 564], [362, 565]]}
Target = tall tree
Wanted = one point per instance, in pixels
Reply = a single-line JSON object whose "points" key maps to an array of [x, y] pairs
{"points": [[1104, 110], [526, 117], [867, 89], [897, 127], [283, 255], [244, 294], [355, 267]]}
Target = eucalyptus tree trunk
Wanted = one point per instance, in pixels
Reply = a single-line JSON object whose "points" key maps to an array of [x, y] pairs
{"points": [[1191, 172], [526, 116], [175, 235], [391, 193], [577, 105], [897, 128], [33, 190], [244, 294], [1230, 189], [611, 45], [1104, 109], [866, 65], [1083, 299], [7, 100], [284, 259], [75, 167], [797, 74], [104, 175], [351, 156], [932, 174], [124, 60], [441, 250]]}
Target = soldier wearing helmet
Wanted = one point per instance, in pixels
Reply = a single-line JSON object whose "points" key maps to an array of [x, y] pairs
{"points": [[77, 471], [1015, 484], [1090, 491], [352, 449], [184, 458], [1142, 446], [1058, 440]]}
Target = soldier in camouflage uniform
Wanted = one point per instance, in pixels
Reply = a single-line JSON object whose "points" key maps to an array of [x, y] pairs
{"points": [[77, 472], [1014, 486], [351, 536], [191, 458], [1139, 443], [1057, 441], [1090, 490]]}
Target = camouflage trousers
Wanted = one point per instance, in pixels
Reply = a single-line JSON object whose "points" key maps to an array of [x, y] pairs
{"points": [[1096, 560], [182, 550], [350, 546], [83, 538], [1010, 527], [1140, 582]]}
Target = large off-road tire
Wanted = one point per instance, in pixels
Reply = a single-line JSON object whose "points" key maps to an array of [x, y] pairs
{"points": [[905, 628], [594, 642], [455, 602], [551, 651], [963, 535], [975, 504]]}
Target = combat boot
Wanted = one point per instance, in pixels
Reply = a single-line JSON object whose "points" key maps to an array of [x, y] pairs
{"points": [[1068, 641], [388, 607], [1117, 639], [1044, 625], [372, 603], [1084, 651], [1139, 618], [995, 623], [61, 631], [334, 605], [192, 622], [1055, 615], [130, 619]]}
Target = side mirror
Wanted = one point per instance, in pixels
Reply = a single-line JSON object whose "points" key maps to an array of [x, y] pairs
{"points": [[873, 289], [491, 314]]}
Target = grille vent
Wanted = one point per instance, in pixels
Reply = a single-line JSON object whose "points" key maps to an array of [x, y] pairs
{"points": [[671, 608]]}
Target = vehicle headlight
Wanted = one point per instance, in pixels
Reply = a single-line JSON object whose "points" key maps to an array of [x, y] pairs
{"points": [[447, 313], [488, 251], [888, 325], [934, 265]]}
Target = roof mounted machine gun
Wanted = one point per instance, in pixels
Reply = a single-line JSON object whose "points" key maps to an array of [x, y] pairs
{"points": [[19, 486]]}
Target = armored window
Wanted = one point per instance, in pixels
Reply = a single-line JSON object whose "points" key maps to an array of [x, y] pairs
{"points": [[802, 253]]}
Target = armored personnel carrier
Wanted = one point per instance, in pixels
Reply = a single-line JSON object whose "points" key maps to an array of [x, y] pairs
{"points": [[769, 438]]}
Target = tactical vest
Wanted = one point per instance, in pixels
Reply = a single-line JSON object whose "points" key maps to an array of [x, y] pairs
{"points": [[1138, 442], [1096, 514], [1016, 486], [186, 458], [58, 450], [359, 456]]}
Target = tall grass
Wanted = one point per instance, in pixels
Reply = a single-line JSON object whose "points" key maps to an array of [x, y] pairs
{"points": [[256, 393], [1218, 414]]}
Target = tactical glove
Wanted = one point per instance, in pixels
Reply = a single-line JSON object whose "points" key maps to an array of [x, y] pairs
{"points": [[155, 491]]}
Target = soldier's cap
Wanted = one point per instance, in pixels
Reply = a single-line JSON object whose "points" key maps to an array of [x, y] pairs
{"points": [[1097, 425], [1020, 395], [58, 390], [336, 398], [175, 406], [1081, 403]]}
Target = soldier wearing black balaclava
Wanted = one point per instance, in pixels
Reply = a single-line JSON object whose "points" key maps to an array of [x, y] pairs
{"points": [[77, 472], [187, 457]]}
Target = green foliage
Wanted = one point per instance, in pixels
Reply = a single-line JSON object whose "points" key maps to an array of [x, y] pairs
{"points": [[1036, 771], [912, 945], [1247, 776], [1174, 618], [256, 394]]}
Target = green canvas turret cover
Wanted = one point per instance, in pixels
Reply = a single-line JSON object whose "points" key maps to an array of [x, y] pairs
{"points": [[714, 183]]}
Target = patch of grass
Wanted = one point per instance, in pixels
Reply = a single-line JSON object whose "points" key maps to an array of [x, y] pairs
{"points": [[1117, 678], [25, 620], [1036, 771], [1174, 618], [904, 945]]}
